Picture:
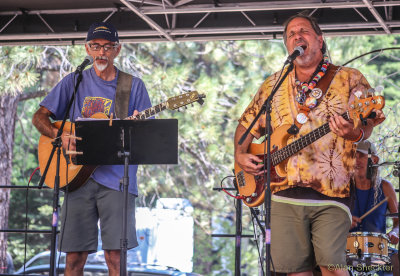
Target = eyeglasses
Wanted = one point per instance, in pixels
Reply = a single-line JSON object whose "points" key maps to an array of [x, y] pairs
{"points": [[97, 47]]}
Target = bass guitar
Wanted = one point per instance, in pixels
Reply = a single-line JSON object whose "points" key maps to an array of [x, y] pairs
{"points": [[252, 188], [74, 176]]}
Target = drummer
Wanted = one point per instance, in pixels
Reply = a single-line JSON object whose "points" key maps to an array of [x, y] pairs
{"points": [[369, 192]]}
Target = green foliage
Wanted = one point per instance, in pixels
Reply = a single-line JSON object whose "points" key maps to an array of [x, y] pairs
{"points": [[17, 68], [381, 69]]}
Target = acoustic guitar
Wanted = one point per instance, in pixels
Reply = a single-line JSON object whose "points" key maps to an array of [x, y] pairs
{"points": [[252, 188], [74, 176]]}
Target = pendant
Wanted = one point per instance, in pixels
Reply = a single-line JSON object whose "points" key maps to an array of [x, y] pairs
{"points": [[300, 97], [316, 93], [301, 118], [311, 102]]}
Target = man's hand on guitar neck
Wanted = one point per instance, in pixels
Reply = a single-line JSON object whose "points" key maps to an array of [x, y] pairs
{"points": [[134, 115], [345, 129]]}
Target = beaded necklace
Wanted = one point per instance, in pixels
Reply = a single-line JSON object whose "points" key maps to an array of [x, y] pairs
{"points": [[301, 96]]}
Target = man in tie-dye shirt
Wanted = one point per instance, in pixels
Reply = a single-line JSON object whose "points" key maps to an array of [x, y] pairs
{"points": [[310, 214]]}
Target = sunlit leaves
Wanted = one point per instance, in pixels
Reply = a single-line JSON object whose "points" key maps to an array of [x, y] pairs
{"points": [[18, 68]]}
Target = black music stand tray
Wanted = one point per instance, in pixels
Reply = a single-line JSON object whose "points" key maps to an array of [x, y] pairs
{"points": [[126, 142]]}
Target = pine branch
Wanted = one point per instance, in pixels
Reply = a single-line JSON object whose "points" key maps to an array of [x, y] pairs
{"points": [[32, 95]]}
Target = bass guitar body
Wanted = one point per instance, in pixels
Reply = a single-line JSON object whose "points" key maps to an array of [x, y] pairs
{"points": [[251, 187]]}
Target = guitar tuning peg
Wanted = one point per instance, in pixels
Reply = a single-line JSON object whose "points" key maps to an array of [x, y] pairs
{"points": [[379, 88], [358, 94], [370, 92]]}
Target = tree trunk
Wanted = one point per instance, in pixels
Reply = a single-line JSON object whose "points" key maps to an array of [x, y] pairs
{"points": [[8, 110]]}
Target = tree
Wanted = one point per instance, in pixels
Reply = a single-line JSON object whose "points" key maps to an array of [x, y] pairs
{"points": [[8, 104], [16, 73]]}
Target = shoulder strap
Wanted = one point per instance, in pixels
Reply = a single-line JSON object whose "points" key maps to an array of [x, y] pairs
{"points": [[122, 95], [324, 83]]}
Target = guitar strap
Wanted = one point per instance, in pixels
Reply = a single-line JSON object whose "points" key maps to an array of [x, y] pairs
{"points": [[323, 84], [122, 94]]}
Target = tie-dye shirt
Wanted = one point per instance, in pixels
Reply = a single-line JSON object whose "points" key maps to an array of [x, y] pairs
{"points": [[327, 164]]}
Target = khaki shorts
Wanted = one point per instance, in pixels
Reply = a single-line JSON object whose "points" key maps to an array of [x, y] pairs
{"points": [[305, 236]]}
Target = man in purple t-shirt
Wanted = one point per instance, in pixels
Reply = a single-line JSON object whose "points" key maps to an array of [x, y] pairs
{"points": [[100, 198]]}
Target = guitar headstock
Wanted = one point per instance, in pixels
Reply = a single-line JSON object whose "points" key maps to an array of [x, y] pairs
{"points": [[185, 99], [362, 108]]}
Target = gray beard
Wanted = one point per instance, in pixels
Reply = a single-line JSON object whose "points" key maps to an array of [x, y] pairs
{"points": [[305, 60], [100, 67]]}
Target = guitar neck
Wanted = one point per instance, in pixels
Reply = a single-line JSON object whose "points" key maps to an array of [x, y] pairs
{"points": [[147, 113], [291, 149]]}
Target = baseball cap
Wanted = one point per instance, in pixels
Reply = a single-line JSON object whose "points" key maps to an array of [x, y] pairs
{"points": [[102, 30], [363, 147]]}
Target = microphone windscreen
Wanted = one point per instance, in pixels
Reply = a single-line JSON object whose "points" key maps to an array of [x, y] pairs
{"points": [[90, 59]]}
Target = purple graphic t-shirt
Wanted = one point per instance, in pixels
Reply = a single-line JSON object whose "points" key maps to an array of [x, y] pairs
{"points": [[97, 95]]}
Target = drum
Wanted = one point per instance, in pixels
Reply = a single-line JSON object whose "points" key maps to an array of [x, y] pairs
{"points": [[367, 248]]}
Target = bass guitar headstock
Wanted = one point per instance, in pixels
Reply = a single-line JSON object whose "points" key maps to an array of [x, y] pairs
{"points": [[360, 109]]}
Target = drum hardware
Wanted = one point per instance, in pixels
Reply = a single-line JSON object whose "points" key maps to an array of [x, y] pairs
{"points": [[393, 215], [367, 248], [359, 252]]}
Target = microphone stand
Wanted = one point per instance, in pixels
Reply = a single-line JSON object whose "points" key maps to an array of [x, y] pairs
{"points": [[125, 182], [266, 107], [57, 145], [369, 164]]}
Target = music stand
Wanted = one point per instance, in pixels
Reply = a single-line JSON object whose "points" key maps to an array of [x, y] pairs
{"points": [[126, 142]]}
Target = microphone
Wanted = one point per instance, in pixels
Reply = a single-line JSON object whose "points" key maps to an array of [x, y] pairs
{"points": [[88, 61], [298, 51], [369, 165]]}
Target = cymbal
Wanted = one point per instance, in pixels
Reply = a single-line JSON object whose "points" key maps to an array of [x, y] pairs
{"points": [[393, 215]]}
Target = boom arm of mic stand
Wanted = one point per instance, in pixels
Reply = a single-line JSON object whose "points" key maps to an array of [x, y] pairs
{"points": [[389, 163], [57, 141]]}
